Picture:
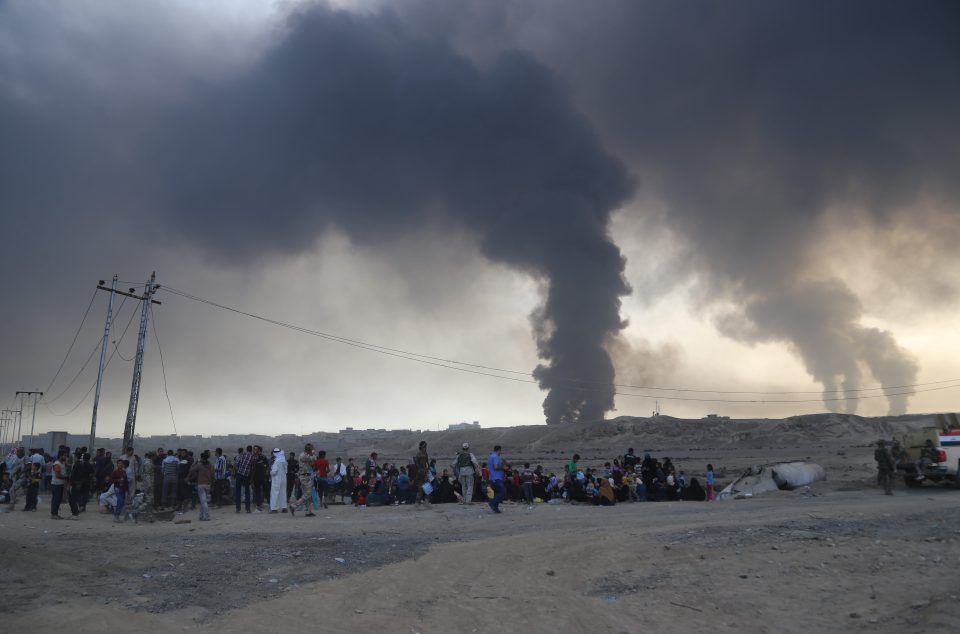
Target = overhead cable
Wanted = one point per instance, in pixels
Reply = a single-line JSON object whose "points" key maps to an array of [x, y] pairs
{"points": [[483, 370]]}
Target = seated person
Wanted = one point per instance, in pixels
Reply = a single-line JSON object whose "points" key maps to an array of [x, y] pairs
{"points": [[5, 485], [379, 496], [694, 492], [606, 496], [108, 500], [928, 456]]}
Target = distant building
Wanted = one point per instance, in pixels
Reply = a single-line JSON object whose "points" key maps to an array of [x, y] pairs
{"points": [[464, 425], [715, 417]]}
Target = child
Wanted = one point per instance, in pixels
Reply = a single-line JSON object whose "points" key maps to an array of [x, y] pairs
{"points": [[710, 482], [120, 484], [33, 477], [526, 479]]}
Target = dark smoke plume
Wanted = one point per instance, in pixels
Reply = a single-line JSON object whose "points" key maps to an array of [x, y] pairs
{"points": [[349, 122], [750, 122]]}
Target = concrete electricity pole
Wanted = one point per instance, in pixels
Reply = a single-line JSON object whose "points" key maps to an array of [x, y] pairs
{"points": [[130, 427], [103, 356]]}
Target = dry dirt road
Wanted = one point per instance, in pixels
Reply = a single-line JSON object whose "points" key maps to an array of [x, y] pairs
{"points": [[844, 559]]}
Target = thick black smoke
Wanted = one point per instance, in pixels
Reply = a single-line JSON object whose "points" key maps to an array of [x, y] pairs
{"points": [[350, 122], [752, 122]]}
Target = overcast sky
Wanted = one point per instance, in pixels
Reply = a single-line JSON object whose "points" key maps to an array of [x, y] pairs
{"points": [[740, 197]]}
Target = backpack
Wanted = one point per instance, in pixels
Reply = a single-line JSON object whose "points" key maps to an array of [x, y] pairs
{"points": [[463, 460]]}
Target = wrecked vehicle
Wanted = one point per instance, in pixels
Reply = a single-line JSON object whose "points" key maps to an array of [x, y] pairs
{"points": [[773, 477]]}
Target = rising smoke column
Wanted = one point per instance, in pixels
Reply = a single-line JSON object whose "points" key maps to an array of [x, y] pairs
{"points": [[345, 121], [349, 122], [752, 122]]}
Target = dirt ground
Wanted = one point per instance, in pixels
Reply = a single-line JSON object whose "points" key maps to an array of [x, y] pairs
{"points": [[841, 557]]}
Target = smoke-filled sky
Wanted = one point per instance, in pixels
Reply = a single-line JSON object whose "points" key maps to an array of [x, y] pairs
{"points": [[600, 198]]}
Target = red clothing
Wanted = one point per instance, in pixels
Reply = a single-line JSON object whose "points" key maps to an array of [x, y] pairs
{"points": [[485, 473], [119, 478], [322, 467]]}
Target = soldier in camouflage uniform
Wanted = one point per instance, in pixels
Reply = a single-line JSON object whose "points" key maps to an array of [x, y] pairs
{"points": [[305, 475], [422, 460], [885, 466], [147, 480]]}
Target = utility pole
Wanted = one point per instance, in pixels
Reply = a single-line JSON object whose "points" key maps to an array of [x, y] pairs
{"points": [[4, 425], [103, 356], [33, 420], [130, 427]]}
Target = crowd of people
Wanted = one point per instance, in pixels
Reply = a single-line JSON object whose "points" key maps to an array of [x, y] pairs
{"points": [[134, 487]]}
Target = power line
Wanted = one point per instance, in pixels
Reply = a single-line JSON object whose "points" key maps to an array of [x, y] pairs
{"points": [[163, 369], [83, 367], [77, 334], [109, 359], [384, 350], [851, 394]]}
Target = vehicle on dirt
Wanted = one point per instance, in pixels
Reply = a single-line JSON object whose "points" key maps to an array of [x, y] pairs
{"points": [[938, 462]]}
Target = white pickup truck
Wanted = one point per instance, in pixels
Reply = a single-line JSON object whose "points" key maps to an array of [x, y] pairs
{"points": [[945, 465]]}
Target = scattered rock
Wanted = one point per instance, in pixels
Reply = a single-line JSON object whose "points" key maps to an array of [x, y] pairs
{"points": [[340, 560], [551, 573]]}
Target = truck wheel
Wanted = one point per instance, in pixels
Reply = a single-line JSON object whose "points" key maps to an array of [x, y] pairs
{"points": [[911, 482]]}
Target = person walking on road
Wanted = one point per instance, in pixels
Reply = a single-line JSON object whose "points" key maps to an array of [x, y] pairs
{"points": [[885, 467], [497, 472], [465, 468], [278, 481], [305, 475], [422, 460]]}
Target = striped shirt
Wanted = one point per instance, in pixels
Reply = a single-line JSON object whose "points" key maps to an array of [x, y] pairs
{"points": [[243, 462], [220, 470]]}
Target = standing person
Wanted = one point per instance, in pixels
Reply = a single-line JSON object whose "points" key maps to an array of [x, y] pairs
{"points": [[134, 469], [242, 465], [305, 474], [133, 472], [59, 480], [184, 488], [526, 482], [278, 481], [711, 480], [498, 470], [147, 486], [221, 479], [33, 474], [168, 469], [321, 467], [157, 492], [371, 464], [80, 479], [99, 478], [885, 466], [350, 479], [120, 486], [202, 473], [422, 460], [292, 468], [465, 468], [258, 476], [18, 467], [630, 460]]}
